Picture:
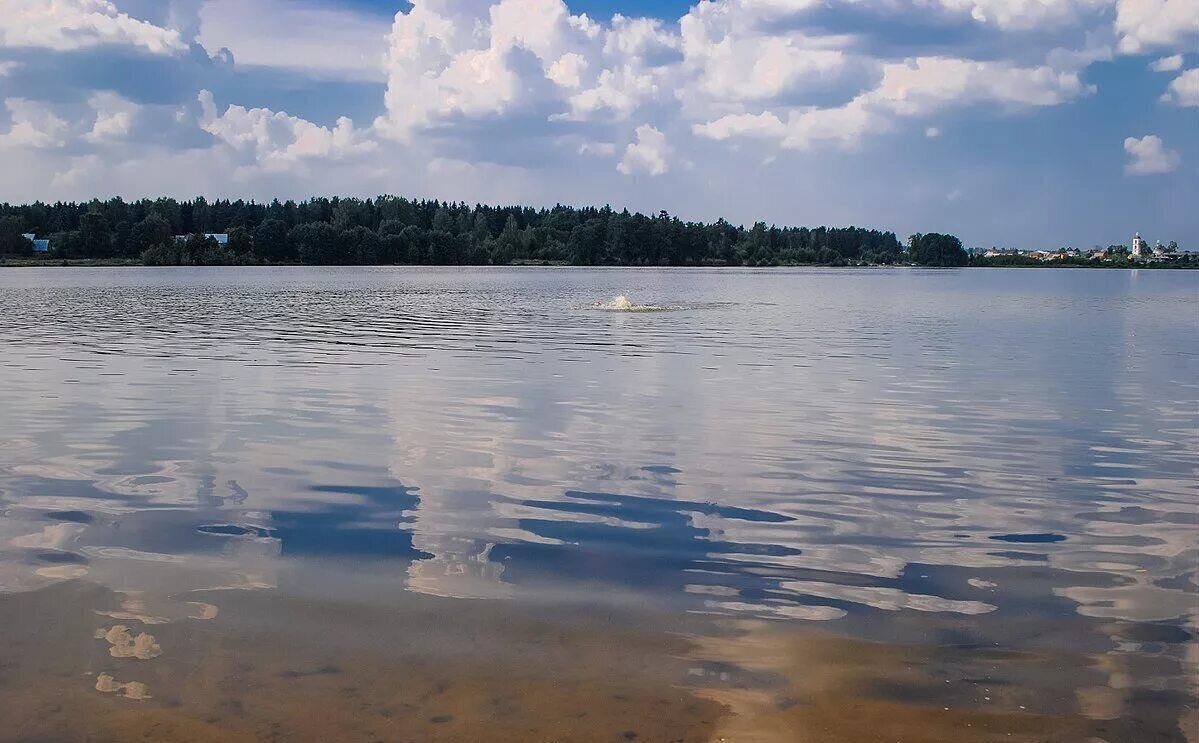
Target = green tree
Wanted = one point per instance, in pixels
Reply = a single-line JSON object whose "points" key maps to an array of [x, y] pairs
{"points": [[936, 249], [271, 242], [359, 245], [153, 231], [585, 247], [241, 244], [95, 234], [509, 245], [12, 241], [316, 243]]}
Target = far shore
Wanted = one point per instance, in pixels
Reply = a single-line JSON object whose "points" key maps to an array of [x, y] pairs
{"points": [[135, 263]]}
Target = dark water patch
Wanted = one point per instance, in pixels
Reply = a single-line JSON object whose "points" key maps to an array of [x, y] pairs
{"points": [[1170, 634], [60, 558], [234, 530], [635, 506], [1177, 583], [661, 469], [341, 532], [165, 530], [1044, 538], [72, 517]]}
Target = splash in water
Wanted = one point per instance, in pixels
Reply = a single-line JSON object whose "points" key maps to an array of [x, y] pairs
{"points": [[621, 303]]}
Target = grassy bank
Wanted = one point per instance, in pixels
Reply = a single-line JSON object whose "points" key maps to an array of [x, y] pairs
{"points": [[52, 262]]}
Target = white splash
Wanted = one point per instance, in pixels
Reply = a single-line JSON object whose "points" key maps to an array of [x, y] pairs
{"points": [[621, 303]]}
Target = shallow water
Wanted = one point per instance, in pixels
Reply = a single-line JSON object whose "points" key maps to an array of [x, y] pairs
{"points": [[438, 504]]}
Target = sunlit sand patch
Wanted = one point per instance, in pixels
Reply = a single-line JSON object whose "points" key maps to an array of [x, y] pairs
{"points": [[52, 536], [813, 686], [201, 610], [126, 645], [1139, 602], [421, 669], [459, 575], [129, 689], [62, 572], [133, 608], [781, 609], [126, 553]]}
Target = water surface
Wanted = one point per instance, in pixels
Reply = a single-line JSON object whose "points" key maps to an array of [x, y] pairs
{"points": [[441, 504]]}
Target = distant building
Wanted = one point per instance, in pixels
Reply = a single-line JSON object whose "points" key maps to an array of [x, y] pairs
{"points": [[222, 238], [1140, 248], [39, 246]]}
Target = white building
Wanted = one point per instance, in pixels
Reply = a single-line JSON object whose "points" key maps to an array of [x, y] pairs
{"points": [[1140, 248]]}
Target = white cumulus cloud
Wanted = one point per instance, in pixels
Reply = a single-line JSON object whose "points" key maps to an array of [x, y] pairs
{"points": [[1151, 24], [64, 25], [1149, 156], [1027, 14], [318, 40], [275, 140], [910, 89], [114, 117], [1184, 89], [450, 59], [649, 154], [34, 125], [1167, 64], [732, 54]]}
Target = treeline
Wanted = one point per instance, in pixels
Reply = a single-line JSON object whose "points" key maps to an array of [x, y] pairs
{"points": [[393, 230]]}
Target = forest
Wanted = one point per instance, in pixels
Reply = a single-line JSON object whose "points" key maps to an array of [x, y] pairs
{"points": [[394, 230]]}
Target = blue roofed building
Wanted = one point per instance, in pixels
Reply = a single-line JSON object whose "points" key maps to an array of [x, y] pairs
{"points": [[222, 238], [39, 246]]}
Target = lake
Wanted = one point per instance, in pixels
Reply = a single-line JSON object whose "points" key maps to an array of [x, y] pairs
{"points": [[488, 504]]}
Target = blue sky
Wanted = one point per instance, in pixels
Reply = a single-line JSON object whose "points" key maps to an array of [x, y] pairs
{"points": [[1032, 123]]}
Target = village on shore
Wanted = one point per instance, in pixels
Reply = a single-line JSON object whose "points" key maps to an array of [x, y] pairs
{"points": [[1139, 252]]}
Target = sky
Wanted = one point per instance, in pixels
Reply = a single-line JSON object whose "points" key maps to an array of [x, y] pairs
{"points": [[1013, 123]]}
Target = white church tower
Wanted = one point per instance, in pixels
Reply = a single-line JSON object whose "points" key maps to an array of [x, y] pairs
{"points": [[1140, 248]]}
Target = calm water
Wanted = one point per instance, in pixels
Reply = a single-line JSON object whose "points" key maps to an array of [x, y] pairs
{"points": [[467, 504]]}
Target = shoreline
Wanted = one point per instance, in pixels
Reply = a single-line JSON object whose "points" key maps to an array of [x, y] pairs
{"points": [[132, 263]]}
